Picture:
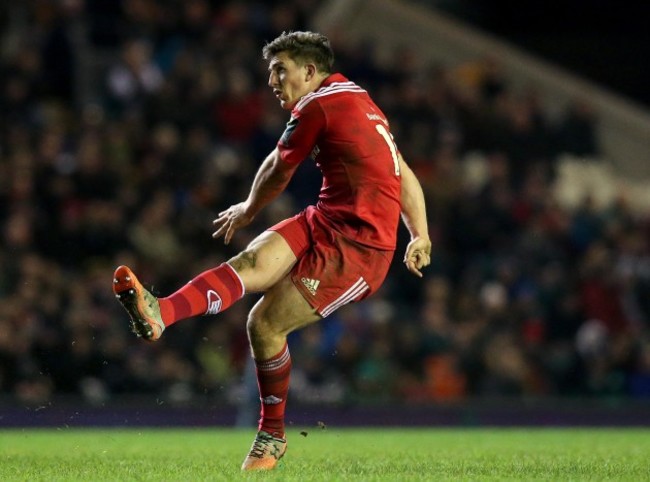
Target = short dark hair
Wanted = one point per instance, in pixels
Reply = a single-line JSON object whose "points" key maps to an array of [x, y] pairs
{"points": [[303, 47]]}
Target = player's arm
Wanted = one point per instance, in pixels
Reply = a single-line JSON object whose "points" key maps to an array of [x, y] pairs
{"points": [[414, 216], [271, 179], [295, 144]]}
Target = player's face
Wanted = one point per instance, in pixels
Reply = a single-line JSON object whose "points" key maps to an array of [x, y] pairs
{"points": [[288, 80]]}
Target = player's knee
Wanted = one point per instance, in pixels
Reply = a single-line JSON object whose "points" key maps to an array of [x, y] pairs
{"points": [[259, 325], [245, 260]]}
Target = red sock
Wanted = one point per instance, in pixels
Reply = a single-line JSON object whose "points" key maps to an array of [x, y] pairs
{"points": [[273, 381], [209, 293]]}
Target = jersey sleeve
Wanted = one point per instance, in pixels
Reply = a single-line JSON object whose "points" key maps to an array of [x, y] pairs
{"points": [[301, 133]]}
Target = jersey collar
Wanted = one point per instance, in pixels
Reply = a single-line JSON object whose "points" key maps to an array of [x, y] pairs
{"points": [[332, 78]]}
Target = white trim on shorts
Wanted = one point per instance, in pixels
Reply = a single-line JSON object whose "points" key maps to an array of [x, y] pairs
{"points": [[359, 287]]}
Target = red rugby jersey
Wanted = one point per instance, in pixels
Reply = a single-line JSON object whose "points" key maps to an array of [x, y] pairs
{"points": [[347, 135]]}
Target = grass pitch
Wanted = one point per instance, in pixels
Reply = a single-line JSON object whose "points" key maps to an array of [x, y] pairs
{"points": [[328, 455]]}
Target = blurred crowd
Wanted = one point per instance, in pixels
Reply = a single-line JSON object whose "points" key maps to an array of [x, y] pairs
{"points": [[127, 159]]}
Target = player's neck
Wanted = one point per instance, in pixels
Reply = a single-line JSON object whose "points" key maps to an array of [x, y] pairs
{"points": [[317, 81]]}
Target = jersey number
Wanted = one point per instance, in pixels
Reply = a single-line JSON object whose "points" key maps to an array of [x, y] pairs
{"points": [[391, 145]]}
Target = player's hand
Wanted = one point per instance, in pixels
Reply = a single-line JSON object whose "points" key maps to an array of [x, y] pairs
{"points": [[418, 255], [231, 220]]}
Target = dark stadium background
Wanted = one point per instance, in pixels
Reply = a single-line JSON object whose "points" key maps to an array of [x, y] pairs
{"points": [[604, 40], [65, 355]]}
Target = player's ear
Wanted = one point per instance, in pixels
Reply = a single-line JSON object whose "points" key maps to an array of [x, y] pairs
{"points": [[310, 72]]}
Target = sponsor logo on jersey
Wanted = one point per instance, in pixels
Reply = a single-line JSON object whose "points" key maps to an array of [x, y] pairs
{"points": [[311, 284], [291, 126], [271, 400], [314, 153], [214, 303], [376, 117]]}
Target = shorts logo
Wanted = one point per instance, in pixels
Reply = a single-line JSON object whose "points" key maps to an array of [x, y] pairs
{"points": [[311, 284], [214, 303]]}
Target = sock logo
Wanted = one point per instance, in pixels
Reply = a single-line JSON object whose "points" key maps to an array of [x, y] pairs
{"points": [[271, 400], [311, 284], [214, 303]]}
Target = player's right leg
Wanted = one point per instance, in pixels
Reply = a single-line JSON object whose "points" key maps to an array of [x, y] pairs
{"points": [[263, 263]]}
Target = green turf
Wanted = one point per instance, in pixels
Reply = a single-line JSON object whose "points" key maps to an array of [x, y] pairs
{"points": [[328, 455]]}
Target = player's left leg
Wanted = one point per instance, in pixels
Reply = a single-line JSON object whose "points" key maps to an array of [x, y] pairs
{"points": [[282, 310]]}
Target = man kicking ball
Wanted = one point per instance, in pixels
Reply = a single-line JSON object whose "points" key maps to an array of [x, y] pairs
{"points": [[309, 265]]}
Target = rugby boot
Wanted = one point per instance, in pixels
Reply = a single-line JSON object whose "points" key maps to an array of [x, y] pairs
{"points": [[142, 306], [265, 452]]}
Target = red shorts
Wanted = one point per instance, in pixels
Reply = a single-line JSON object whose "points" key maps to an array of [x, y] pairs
{"points": [[332, 270]]}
